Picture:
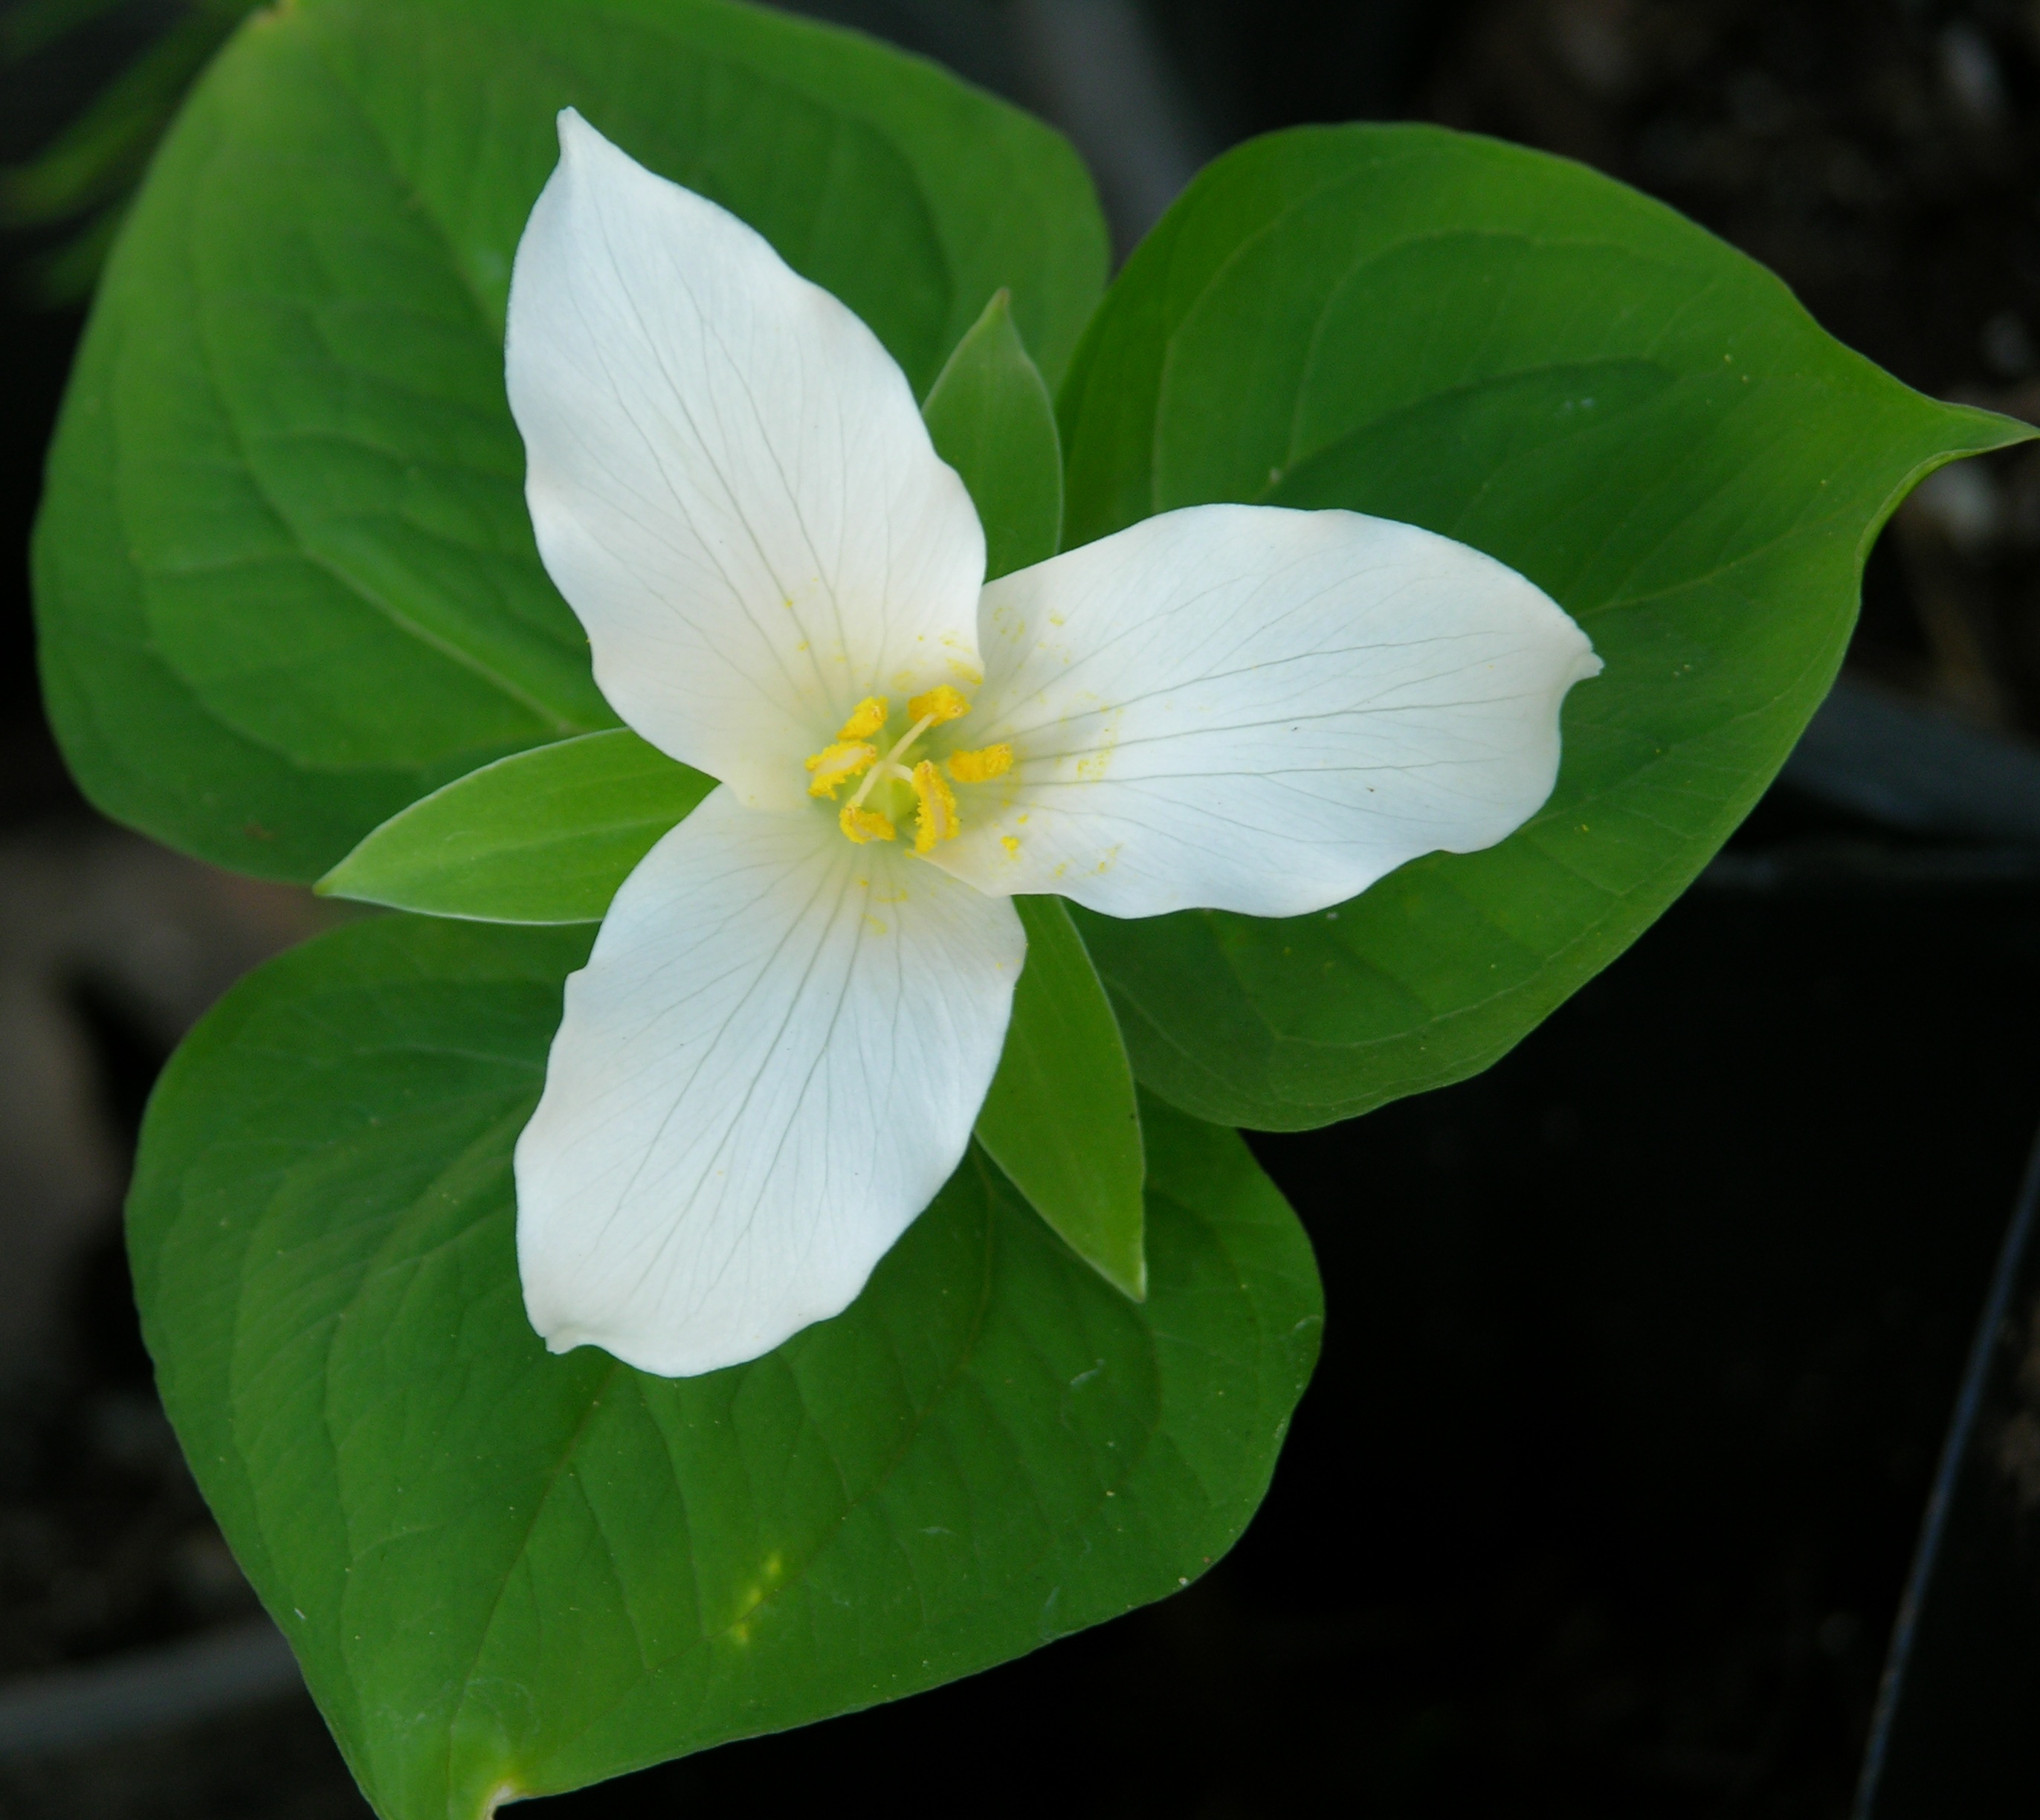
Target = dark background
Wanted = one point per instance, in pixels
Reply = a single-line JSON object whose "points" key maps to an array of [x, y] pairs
{"points": [[1642, 1346]]}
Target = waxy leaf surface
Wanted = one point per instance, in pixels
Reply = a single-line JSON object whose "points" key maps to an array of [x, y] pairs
{"points": [[1507, 349], [286, 580], [508, 1573], [1063, 1119]]}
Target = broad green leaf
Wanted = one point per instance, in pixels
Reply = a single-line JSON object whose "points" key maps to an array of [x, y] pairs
{"points": [[507, 1573], [1061, 1118], [286, 581], [991, 419], [1510, 350], [542, 836]]}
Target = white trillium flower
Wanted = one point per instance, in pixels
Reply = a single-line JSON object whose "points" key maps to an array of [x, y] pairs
{"points": [[778, 1050]]}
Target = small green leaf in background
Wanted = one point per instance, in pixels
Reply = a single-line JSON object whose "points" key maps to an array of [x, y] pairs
{"points": [[285, 582], [1509, 349], [543, 837], [991, 418], [507, 1573], [1062, 1119], [98, 155], [85, 174]]}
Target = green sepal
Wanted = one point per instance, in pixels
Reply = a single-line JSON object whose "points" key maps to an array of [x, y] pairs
{"points": [[543, 837], [991, 419], [1062, 1118]]}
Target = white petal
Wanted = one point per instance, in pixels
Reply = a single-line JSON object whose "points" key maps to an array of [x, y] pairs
{"points": [[1241, 708], [730, 480], [771, 1062]]}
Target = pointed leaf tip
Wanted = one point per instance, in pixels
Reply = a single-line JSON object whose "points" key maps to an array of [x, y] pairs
{"points": [[991, 419]]}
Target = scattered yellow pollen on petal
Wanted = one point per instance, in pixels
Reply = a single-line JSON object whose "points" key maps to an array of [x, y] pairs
{"points": [[865, 718], [981, 767], [863, 825], [1011, 845], [940, 703], [834, 766], [936, 820]]}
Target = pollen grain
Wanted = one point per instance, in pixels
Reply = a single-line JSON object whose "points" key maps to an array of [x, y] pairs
{"points": [[937, 819], [865, 718], [863, 825], [834, 766], [940, 703], [981, 767]]}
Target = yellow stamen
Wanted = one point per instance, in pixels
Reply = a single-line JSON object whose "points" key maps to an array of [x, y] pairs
{"points": [[854, 755], [936, 820], [940, 703], [863, 825], [865, 718], [893, 766], [981, 767], [834, 766]]}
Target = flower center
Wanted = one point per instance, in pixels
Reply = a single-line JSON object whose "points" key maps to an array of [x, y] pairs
{"points": [[889, 785]]}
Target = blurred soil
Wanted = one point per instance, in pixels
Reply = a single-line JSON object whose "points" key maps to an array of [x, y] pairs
{"points": [[1883, 158]]}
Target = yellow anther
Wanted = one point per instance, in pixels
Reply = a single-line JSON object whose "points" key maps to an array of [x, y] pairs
{"points": [[981, 767], [936, 820], [863, 825], [834, 766], [940, 703], [865, 718]]}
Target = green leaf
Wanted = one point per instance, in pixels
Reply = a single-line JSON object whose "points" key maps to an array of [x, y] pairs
{"points": [[542, 836], [991, 418], [509, 1573], [1510, 350], [1061, 1118], [285, 577]]}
